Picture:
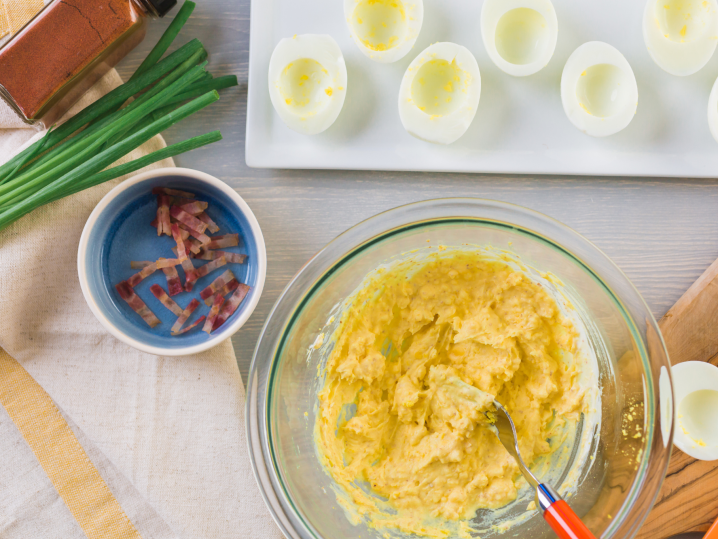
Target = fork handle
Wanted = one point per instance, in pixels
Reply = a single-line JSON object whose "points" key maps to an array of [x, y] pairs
{"points": [[560, 516], [565, 522]]}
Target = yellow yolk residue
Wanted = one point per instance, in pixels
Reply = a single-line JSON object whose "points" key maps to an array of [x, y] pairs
{"points": [[380, 24], [421, 351]]}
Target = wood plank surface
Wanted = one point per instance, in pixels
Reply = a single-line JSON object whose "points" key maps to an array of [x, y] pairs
{"points": [[663, 233], [688, 501]]}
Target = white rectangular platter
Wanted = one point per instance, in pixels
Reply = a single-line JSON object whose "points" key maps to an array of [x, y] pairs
{"points": [[520, 126]]}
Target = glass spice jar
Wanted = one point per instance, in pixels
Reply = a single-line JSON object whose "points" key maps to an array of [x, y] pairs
{"points": [[47, 66]]}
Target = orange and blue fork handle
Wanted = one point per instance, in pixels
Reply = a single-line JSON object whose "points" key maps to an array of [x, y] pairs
{"points": [[560, 516]]}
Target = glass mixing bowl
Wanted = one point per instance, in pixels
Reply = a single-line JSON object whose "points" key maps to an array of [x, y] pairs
{"points": [[616, 486]]}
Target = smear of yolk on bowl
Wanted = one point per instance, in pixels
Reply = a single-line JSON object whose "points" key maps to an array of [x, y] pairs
{"points": [[380, 24]]}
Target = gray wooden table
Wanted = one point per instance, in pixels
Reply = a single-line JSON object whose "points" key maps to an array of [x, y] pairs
{"points": [[662, 233]]}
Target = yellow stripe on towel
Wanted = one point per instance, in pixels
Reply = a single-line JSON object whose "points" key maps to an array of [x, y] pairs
{"points": [[15, 13], [62, 457]]}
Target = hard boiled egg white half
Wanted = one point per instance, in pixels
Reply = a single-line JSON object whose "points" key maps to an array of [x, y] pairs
{"points": [[681, 35], [308, 82], [519, 35], [440, 93], [599, 90], [384, 30]]}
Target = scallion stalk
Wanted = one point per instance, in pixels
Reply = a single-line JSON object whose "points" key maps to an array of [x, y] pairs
{"points": [[100, 161], [167, 39], [111, 100], [27, 183]]}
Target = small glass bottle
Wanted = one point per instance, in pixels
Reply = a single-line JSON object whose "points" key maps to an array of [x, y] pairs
{"points": [[56, 57]]}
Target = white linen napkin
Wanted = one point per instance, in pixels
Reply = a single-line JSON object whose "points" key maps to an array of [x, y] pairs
{"points": [[174, 427]]}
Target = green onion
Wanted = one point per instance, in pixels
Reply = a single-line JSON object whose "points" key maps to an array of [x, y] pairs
{"points": [[72, 144], [137, 164], [102, 160], [65, 161], [199, 88], [113, 99], [167, 39], [30, 156]]}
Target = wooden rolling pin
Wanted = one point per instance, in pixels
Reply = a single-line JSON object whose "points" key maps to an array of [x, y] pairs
{"points": [[688, 500]]}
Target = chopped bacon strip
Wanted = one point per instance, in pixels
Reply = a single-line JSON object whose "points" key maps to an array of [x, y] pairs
{"points": [[184, 234], [163, 263], [189, 274], [210, 267], [140, 276], [222, 242], [163, 215], [185, 218], [136, 304], [154, 223], [185, 315], [181, 253], [231, 286], [231, 306], [232, 258], [190, 245], [215, 285], [189, 328], [211, 225], [203, 238], [167, 301], [171, 192], [194, 208], [139, 265], [213, 313], [174, 284]]}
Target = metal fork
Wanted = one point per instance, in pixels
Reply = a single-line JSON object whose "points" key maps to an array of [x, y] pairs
{"points": [[555, 510]]}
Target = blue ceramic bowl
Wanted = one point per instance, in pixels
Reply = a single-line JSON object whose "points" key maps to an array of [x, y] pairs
{"points": [[118, 231]]}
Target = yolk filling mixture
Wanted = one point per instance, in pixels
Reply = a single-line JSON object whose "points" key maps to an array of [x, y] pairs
{"points": [[400, 431]]}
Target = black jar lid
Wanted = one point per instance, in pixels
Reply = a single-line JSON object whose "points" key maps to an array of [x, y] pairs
{"points": [[161, 7]]}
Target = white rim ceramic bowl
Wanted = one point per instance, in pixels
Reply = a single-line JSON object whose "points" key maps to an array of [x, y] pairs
{"points": [[695, 385], [230, 197]]}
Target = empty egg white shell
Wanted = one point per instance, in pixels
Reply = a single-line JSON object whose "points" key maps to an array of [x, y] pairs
{"points": [[308, 82], [519, 35], [384, 30], [599, 90], [681, 35], [440, 93], [713, 111]]}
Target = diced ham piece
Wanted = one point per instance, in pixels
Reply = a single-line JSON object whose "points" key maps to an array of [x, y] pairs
{"points": [[140, 276], [134, 264], [136, 304], [186, 219], [231, 306], [222, 242], [171, 192], [217, 284], [210, 267], [163, 215], [188, 328], [181, 253], [231, 286], [174, 284], [185, 316], [167, 301], [211, 225], [213, 313], [194, 208], [232, 258]]}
